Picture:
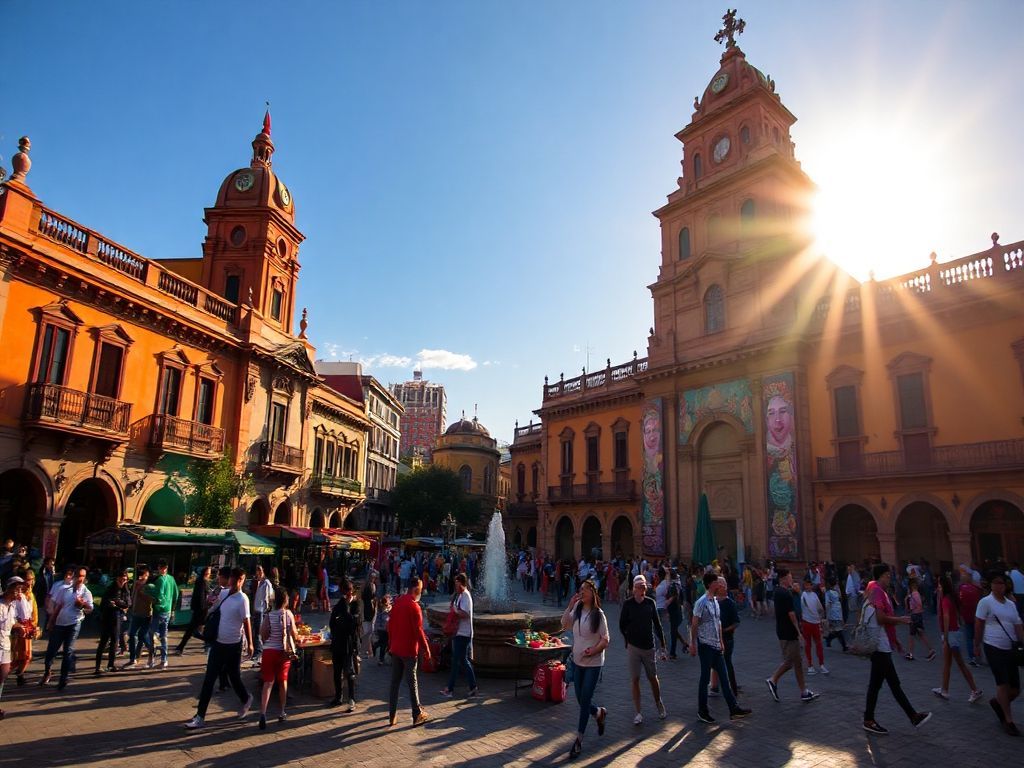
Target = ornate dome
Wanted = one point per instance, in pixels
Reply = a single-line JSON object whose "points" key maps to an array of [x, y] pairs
{"points": [[257, 186], [466, 427]]}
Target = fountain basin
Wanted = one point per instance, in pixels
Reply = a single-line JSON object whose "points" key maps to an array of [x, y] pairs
{"points": [[492, 656]]}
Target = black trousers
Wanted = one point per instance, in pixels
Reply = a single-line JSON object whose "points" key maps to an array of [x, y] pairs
{"points": [[883, 670], [341, 660], [729, 645], [193, 624], [224, 658], [108, 636]]}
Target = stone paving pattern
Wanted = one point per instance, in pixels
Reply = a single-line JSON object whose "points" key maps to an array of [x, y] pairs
{"points": [[122, 719]]}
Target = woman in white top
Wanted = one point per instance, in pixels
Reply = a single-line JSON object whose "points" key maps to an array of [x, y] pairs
{"points": [[997, 625], [589, 639], [275, 664], [8, 618], [812, 614]]}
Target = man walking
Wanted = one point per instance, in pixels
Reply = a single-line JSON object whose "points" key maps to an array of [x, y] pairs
{"points": [[407, 641], [70, 605], [787, 629], [852, 590], [164, 592], [263, 603], [706, 641], [639, 624]]}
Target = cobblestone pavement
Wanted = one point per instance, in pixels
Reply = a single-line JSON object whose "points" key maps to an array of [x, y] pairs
{"points": [[122, 719]]}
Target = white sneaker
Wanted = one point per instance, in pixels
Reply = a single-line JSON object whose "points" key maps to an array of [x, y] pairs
{"points": [[638, 719], [811, 671], [194, 723], [244, 709], [941, 693], [662, 712], [164, 665], [975, 695], [351, 705], [823, 669]]}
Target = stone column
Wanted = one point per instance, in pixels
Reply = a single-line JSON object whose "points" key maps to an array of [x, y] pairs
{"points": [[49, 535], [961, 545], [606, 542], [887, 548]]}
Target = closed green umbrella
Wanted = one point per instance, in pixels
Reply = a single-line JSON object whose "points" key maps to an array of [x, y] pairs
{"points": [[704, 550]]}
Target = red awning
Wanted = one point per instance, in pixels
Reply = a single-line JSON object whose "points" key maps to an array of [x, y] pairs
{"points": [[282, 532]]}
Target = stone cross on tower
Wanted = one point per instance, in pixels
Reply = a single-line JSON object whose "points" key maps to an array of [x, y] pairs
{"points": [[731, 27]]}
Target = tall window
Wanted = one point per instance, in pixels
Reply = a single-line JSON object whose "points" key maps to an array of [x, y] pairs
{"points": [[521, 480], [535, 480], [848, 437], [329, 460], [913, 412], [621, 451], [232, 285], [54, 357], [318, 455], [108, 370], [276, 299], [466, 476], [567, 457], [747, 211], [278, 422], [204, 401], [593, 455], [698, 166], [488, 480], [170, 396], [745, 135], [684, 243], [714, 310]]}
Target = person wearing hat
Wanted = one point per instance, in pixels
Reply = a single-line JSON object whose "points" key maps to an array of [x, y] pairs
{"points": [[640, 624], [8, 618]]}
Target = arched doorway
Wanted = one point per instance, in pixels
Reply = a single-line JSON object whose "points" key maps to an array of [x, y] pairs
{"points": [[622, 538], [164, 507], [259, 512], [91, 507], [997, 533], [922, 534], [283, 514], [22, 505], [517, 539], [854, 537], [591, 538], [337, 521], [531, 536], [564, 549], [316, 520], [721, 476]]}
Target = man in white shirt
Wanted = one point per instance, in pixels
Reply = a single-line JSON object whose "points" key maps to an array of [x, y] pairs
{"points": [[69, 603], [706, 641], [1017, 578], [852, 589], [263, 602]]}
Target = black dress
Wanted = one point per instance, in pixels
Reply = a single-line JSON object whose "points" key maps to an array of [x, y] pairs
{"points": [[345, 629]]}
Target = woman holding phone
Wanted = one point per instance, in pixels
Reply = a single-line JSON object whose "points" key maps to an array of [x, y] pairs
{"points": [[589, 639]]}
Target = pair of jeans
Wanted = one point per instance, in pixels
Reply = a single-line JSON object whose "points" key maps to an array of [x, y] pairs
{"points": [[404, 666], [460, 658], [108, 634], [584, 680], [138, 636], [729, 646], [257, 642], [967, 630], [224, 659], [62, 637], [712, 658], [158, 626], [883, 670], [675, 621], [382, 644]]}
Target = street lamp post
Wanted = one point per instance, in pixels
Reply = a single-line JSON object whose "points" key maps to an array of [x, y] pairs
{"points": [[449, 526]]}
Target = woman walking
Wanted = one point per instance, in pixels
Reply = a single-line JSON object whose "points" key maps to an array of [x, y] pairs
{"points": [[880, 616], [380, 626], [345, 625], [462, 642], [279, 638], [915, 607], [834, 615], [27, 628], [197, 605], [997, 623], [589, 639], [949, 631]]}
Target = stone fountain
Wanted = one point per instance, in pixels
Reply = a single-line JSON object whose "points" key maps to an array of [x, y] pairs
{"points": [[497, 617]]}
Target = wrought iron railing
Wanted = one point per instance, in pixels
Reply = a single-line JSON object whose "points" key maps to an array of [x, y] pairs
{"points": [[278, 455], [611, 377], [69, 407], [621, 490], [173, 434], [332, 484], [965, 457]]}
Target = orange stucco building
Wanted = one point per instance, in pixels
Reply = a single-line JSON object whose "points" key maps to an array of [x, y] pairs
{"points": [[824, 418], [119, 371]]}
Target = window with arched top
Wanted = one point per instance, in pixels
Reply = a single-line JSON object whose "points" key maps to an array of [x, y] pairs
{"points": [[747, 211], [521, 481], [684, 243], [745, 134], [714, 309], [466, 478], [488, 480], [698, 166]]}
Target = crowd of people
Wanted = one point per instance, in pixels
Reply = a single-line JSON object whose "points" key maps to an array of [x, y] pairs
{"points": [[664, 606]]}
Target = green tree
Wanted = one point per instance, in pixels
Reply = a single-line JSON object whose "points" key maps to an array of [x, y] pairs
{"points": [[425, 496], [212, 487]]}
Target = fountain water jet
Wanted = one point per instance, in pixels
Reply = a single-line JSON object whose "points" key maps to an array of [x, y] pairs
{"points": [[495, 566]]}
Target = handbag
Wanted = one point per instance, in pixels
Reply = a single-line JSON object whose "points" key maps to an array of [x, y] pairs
{"points": [[1016, 646], [290, 651], [451, 622], [865, 637], [211, 626]]}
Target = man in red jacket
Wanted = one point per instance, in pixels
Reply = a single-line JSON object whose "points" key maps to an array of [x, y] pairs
{"points": [[406, 640]]}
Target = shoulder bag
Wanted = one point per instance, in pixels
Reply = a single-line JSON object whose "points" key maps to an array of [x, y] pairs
{"points": [[1016, 646], [290, 651], [451, 621], [865, 637], [211, 626]]}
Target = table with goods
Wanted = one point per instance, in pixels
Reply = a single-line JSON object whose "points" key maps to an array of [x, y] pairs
{"points": [[544, 655]]}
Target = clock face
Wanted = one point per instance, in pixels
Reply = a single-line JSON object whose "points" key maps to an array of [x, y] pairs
{"points": [[284, 194], [244, 181], [719, 83], [721, 149]]}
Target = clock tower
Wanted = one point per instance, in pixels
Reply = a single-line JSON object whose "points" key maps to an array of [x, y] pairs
{"points": [[250, 255], [737, 214]]}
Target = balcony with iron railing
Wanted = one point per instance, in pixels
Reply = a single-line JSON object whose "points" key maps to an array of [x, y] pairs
{"points": [[90, 244], [609, 379], [332, 485], [622, 489], [279, 457], [994, 455], [191, 438], [82, 413]]}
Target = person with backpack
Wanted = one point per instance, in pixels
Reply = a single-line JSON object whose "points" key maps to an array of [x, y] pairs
{"points": [[590, 638], [462, 640]]}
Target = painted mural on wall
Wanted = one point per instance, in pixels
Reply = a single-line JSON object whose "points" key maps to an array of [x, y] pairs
{"points": [[781, 458], [730, 397], [653, 502]]}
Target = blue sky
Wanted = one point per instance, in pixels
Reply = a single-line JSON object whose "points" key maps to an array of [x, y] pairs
{"points": [[475, 179]]}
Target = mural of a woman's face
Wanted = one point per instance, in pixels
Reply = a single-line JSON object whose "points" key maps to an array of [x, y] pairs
{"points": [[652, 433], [779, 421]]}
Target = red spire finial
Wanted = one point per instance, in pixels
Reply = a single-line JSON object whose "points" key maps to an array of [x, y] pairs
{"points": [[266, 121]]}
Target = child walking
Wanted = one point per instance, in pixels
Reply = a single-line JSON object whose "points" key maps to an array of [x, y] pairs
{"points": [[915, 607]]}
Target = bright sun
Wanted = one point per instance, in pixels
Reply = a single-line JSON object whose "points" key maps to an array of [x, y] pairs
{"points": [[881, 202]]}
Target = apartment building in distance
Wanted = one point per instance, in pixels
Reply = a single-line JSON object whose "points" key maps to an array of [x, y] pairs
{"points": [[425, 418]]}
